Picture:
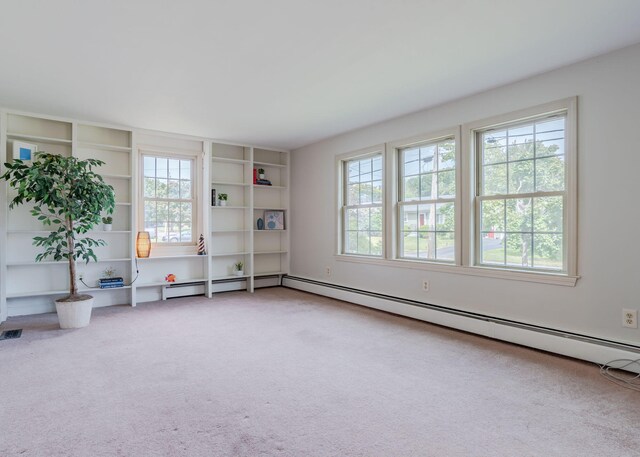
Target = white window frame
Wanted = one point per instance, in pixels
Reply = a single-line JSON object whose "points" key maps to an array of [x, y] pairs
{"points": [[341, 187], [465, 201], [196, 165], [394, 150], [471, 166]]}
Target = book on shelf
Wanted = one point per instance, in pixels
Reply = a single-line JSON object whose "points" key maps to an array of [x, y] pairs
{"points": [[255, 175], [213, 197], [263, 182], [110, 280], [111, 285]]}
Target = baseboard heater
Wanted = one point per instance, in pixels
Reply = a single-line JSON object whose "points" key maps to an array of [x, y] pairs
{"points": [[508, 336], [183, 289]]}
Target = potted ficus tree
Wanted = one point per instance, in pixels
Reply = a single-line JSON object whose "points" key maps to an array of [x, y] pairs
{"points": [[68, 196]]}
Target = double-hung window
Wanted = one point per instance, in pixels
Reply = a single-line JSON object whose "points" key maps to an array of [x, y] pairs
{"points": [[362, 205], [427, 201], [168, 197], [522, 194]]}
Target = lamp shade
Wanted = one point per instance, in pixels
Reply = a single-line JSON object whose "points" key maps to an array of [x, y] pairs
{"points": [[143, 244]]}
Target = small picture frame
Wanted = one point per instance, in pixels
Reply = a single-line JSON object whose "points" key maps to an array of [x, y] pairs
{"points": [[24, 151], [273, 220]]}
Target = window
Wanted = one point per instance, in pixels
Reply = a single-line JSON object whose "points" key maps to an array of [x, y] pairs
{"points": [[427, 176], [521, 195], [168, 199], [362, 212], [499, 201]]}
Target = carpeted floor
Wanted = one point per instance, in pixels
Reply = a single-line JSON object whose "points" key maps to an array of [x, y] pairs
{"points": [[284, 373]]}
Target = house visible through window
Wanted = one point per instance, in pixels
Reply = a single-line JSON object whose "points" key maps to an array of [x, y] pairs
{"points": [[362, 206], [168, 199], [427, 201]]}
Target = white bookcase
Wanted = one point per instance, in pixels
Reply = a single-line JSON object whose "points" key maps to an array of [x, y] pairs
{"points": [[231, 232], [30, 286], [234, 232]]}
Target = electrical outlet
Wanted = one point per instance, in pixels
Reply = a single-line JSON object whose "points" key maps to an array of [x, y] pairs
{"points": [[80, 276], [327, 272], [630, 318], [425, 286]]}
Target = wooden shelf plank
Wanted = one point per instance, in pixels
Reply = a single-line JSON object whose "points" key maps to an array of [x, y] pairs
{"points": [[36, 138]]}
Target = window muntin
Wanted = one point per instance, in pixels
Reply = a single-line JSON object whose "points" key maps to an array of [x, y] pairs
{"points": [[521, 195], [168, 199], [427, 211], [362, 206]]}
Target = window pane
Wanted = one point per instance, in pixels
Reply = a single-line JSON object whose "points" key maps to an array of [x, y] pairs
{"points": [[445, 246], [519, 249], [185, 189], [492, 215], [519, 215], [354, 169], [426, 217], [547, 251], [411, 167], [377, 192], [149, 187], [409, 244], [409, 216], [353, 194], [521, 177], [352, 219], [365, 193], [162, 188], [550, 174], [376, 219], [364, 243], [427, 245], [492, 248], [162, 169], [427, 157], [494, 139], [174, 189], [494, 154], [550, 125], [363, 219], [428, 186], [174, 169], [494, 179], [187, 214], [365, 177], [376, 243], [549, 148], [520, 143], [351, 242], [412, 188], [365, 166], [446, 155], [185, 169], [150, 166], [445, 217], [447, 184], [547, 214]]}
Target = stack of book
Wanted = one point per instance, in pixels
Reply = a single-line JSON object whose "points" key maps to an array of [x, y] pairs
{"points": [[258, 181], [110, 283]]}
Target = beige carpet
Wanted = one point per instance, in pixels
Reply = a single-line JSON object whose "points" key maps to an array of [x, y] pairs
{"points": [[284, 373]]}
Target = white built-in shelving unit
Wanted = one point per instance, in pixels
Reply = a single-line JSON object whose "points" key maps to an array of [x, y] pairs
{"points": [[231, 232]]}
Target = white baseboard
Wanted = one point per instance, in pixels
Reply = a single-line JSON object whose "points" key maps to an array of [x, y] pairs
{"points": [[553, 341]]}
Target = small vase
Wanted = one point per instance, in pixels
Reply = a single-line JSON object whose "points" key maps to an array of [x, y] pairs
{"points": [[261, 176], [239, 272], [108, 227], [223, 203]]}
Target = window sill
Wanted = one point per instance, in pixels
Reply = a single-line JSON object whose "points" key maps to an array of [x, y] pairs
{"points": [[542, 278]]}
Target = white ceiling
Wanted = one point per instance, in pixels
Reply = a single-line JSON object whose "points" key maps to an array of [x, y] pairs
{"points": [[285, 73]]}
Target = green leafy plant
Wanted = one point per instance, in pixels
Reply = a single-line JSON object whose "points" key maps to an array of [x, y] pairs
{"points": [[260, 171], [222, 197], [68, 196], [107, 220], [238, 266]]}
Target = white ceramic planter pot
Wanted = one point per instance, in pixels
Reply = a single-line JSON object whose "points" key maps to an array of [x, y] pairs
{"points": [[74, 314], [239, 272], [223, 203], [108, 227], [261, 176]]}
